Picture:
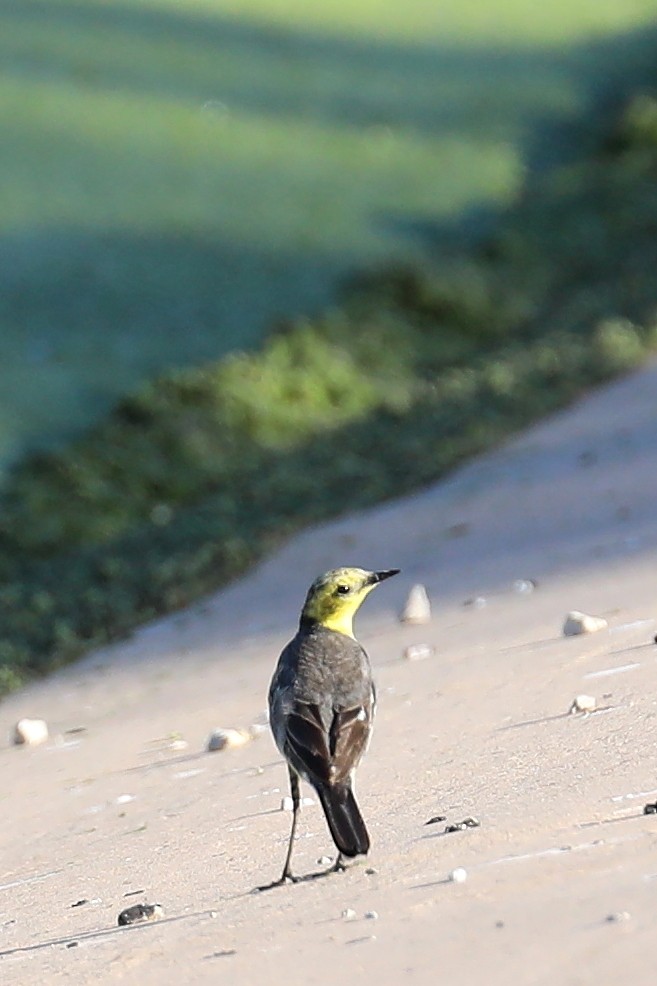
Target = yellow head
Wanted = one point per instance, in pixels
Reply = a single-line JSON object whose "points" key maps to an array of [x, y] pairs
{"points": [[334, 597]]}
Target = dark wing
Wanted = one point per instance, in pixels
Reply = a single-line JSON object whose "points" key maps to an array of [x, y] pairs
{"points": [[348, 738], [327, 757], [307, 741]]}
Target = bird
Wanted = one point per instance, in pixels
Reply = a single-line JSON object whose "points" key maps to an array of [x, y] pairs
{"points": [[321, 707]]}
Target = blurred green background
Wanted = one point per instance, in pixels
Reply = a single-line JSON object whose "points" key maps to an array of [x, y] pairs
{"points": [[176, 175], [263, 262]]}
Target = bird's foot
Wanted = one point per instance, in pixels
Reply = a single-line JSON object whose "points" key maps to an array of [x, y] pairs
{"points": [[282, 880]]}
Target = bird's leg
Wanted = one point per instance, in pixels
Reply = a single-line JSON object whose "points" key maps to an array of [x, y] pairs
{"points": [[296, 801], [286, 875], [339, 865]]}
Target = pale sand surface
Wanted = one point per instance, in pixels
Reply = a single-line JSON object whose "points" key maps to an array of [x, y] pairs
{"points": [[478, 729]]}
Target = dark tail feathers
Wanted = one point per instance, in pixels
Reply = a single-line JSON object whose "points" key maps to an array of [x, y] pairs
{"points": [[344, 819]]}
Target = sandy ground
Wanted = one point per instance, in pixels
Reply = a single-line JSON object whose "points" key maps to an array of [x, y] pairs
{"points": [[562, 872]]}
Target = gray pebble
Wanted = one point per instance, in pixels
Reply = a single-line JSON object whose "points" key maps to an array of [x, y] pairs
{"points": [[140, 912], [418, 652]]}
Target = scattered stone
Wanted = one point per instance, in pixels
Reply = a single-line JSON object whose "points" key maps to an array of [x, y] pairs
{"points": [[81, 902], [577, 623], [471, 823], [372, 915], [418, 607], [256, 729], [287, 803], [582, 703], [477, 602], [618, 917], [524, 587], [348, 914], [499, 924], [459, 875], [467, 823], [324, 860], [178, 745], [140, 912], [436, 818], [370, 871], [30, 732], [418, 652], [72, 944], [228, 739], [650, 808]]}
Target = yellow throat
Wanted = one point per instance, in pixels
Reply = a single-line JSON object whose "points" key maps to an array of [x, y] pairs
{"points": [[335, 597]]}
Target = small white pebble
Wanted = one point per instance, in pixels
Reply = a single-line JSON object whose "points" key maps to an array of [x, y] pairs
{"points": [[618, 916], [287, 803], [418, 652], [417, 608], [256, 729], [459, 875], [227, 739], [348, 914], [583, 703], [124, 799], [30, 732], [178, 745], [372, 915], [324, 860], [524, 587], [577, 623]]}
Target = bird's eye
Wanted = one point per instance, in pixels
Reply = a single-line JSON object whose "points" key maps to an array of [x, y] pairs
{"points": [[344, 589]]}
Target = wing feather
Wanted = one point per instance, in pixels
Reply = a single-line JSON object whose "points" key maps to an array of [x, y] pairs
{"points": [[307, 739], [348, 738], [327, 756]]}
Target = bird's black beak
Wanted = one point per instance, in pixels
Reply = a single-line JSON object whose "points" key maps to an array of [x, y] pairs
{"points": [[381, 576]]}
